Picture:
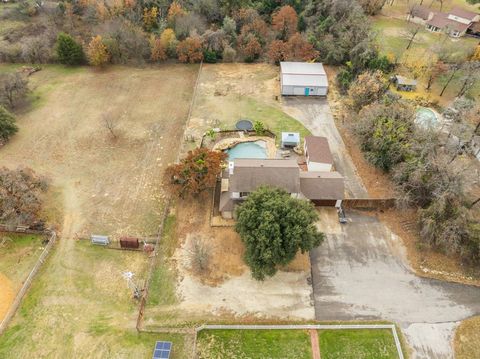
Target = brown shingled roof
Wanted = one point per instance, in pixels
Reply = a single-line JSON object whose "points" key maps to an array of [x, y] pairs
{"points": [[422, 12], [318, 149], [442, 21], [249, 174], [469, 15], [322, 185]]}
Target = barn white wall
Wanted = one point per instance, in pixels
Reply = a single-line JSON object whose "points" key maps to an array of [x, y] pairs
{"points": [[318, 167], [300, 91]]}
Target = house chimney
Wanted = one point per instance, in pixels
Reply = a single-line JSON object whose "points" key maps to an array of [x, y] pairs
{"points": [[231, 166]]}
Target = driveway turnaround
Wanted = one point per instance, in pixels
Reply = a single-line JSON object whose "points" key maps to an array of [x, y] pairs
{"points": [[361, 272]]}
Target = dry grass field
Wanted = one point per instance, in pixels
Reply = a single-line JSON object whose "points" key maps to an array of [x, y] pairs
{"points": [[229, 92], [80, 306], [467, 338]]}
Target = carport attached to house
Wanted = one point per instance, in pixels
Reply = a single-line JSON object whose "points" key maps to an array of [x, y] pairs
{"points": [[303, 79]]}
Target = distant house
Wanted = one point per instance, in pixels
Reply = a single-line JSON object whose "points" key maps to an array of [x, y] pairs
{"points": [[404, 83], [420, 14], [443, 23], [317, 154], [464, 16], [303, 79], [455, 23], [244, 176], [474, 30]]}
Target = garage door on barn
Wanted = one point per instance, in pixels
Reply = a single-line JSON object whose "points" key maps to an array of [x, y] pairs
{"points": [[303, 79]]}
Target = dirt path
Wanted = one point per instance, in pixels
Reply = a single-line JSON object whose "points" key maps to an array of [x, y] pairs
{"points": [[7, 295], [315, 344]]}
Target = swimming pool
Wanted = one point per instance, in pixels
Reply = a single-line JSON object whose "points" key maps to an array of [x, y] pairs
{"points": [[255, 149], [426, 118]]}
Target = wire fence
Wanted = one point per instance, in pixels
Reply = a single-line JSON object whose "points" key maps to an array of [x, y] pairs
{"points": [[28, 282], [154, 258]]}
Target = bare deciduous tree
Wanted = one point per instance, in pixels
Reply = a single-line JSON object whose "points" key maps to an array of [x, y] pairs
{"points": [[410, 35], [13, 88], [21, 193], [200, 253]]}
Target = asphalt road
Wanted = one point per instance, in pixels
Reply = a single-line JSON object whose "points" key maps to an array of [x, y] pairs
{"points": [[361, 271]]}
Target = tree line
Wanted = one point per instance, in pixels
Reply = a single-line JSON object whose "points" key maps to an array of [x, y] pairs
{"points": [[135, 31], [428, 167]]}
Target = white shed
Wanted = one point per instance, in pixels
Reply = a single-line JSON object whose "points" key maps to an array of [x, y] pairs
{"points": [[317, 154], [303, 79], [290, 139]]}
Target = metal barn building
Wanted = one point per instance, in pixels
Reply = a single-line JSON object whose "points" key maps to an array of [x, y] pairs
{"points": [[303, 79]]}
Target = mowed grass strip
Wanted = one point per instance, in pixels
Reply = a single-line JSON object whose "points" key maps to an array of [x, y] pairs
{"points": [[271, 344], [357, 344]]}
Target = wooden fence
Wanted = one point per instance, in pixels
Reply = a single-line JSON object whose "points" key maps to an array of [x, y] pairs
{"points": [[26, 285], [369, 203]]}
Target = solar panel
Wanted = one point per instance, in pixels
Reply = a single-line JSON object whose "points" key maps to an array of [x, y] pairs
{"points": [[162, 350]]}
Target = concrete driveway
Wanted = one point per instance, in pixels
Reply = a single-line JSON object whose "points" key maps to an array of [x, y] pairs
{"points": [[315, 114], [361, 271]]}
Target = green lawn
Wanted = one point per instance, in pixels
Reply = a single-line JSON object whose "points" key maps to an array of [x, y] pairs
{"points": [[275, 119], [261, 344], [357, 344]]}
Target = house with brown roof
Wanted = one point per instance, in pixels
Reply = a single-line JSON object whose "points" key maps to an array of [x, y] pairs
{"points": [[420, 14], [455, 23], [244, 176], [317, 154]]}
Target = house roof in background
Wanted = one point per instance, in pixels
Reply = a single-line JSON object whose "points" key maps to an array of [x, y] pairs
{"points": [[469, 15], [322, 185], [442, 21], [249, 174], [422, 12], [318, 149]]}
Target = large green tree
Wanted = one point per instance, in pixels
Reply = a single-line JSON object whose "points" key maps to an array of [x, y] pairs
{"points": [[274, 227], [69, 52], [7, 125]]}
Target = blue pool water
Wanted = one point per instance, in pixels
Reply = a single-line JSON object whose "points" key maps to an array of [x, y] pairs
{"points": [[247, 150], [426, 118]]}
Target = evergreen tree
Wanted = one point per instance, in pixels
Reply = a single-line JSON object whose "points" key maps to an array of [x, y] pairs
{"points": [[69, 52]]}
